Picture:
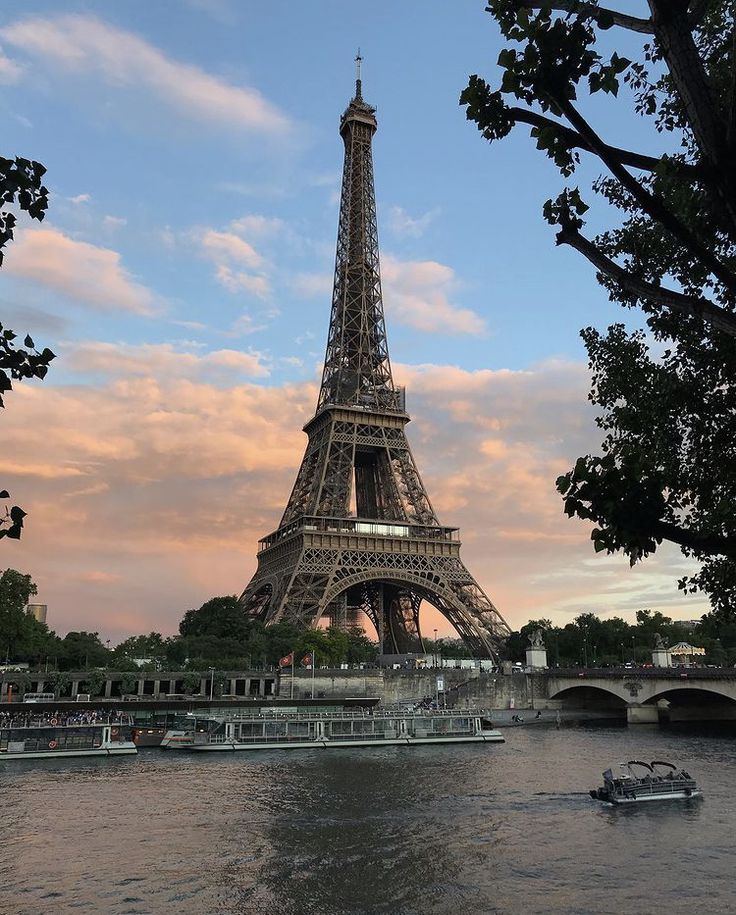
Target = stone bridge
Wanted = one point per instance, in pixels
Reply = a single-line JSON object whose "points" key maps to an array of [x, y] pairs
{"points": [[648, 694]]}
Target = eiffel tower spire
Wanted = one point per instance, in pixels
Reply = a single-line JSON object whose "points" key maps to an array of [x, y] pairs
{"points": [[357, 368], [359, 532]]}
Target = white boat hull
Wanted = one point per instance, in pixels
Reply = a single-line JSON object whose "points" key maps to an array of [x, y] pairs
{"points": [[486, 737], [121, 749], [670, 796]]}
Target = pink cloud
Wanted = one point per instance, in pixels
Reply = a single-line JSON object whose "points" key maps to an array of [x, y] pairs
{"points": [[176, 478], [417, 293], [83, 272], [163, 360]]}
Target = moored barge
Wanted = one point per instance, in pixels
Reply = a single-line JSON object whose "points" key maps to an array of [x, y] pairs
{"points": [[309, 730]]}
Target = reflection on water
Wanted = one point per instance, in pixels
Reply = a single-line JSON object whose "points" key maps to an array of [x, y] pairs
{"points": [[435, 830]]}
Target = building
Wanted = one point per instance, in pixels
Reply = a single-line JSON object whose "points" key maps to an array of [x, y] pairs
{"points": [[37, 611]]}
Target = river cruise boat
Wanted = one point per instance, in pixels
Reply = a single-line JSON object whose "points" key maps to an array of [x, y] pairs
{"points": [[264, 730], [52, 738], [655, 781]]}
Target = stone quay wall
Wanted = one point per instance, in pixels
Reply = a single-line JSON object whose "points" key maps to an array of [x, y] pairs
{"points": [[462, 688]]}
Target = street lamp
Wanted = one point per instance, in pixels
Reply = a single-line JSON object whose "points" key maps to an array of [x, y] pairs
{"points": [[212, 681], [434, 648], [623, 656], [585, 645], [633, 649]]}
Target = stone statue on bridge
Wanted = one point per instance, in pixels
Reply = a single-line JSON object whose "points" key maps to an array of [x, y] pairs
{"points": [[537, 639], [660, 644], [536, 653]]}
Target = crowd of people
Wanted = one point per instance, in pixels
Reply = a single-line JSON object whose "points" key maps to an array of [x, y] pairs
{"points": [[40, 719]]}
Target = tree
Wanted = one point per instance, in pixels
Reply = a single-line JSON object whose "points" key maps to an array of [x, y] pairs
{"points": [[20, 186], [22, 637], [82, 650], [666, 397], [222, 617], [149, 646]]}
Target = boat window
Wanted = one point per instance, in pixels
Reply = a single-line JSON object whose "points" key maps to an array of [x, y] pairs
{"points": [[275, 729]]}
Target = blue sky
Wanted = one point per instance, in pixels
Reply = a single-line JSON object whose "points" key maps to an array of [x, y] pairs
{"points": [[183, 276]]}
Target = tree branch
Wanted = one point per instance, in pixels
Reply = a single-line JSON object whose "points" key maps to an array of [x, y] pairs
{"points": [[653, 205], [633, 23], [573, 138], [704, 543], [680, 53], [696, 306]]}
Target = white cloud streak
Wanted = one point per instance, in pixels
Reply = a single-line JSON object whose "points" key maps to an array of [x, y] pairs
{"points": [[85, 44]]}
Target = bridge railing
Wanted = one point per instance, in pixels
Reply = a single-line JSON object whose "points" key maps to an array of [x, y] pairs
{"points": [[654, 673]]}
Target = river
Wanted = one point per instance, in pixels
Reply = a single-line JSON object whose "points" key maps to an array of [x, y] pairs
{"points": [[432, 830]]}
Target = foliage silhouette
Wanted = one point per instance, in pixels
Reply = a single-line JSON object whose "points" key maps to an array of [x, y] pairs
{"points": [[666, 397], [20, 186]]}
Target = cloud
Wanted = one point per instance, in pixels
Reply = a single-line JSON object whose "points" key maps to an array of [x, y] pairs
{"points": [[165, 469], [163, 360], [228, 248], [255, 225], [85, 44], [10, 71], [96, 575], [416, 293], [237, 280], [114, 222], [226, 245], [85, 273], [403, 225], [80, 198]]}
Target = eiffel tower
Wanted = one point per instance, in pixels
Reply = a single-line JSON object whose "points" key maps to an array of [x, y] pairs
{"points": [[359, 532]]}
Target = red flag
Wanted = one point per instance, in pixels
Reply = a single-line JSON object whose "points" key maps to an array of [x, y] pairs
{"points": [[287, 661], [307, 660]]}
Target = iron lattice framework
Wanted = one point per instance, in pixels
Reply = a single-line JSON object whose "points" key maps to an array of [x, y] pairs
{"points": [[359, 532]]}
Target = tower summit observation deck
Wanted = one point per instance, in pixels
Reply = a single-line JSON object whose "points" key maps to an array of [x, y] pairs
{"points": [[359, 532]]}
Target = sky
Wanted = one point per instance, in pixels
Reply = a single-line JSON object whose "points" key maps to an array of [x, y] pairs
{"points": [[183, 277]]}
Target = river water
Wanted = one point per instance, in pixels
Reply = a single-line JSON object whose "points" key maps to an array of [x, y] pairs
{"points": [[433, 830]]}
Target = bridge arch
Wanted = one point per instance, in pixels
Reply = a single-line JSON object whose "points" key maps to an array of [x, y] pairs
{"points": [[587, 695]]}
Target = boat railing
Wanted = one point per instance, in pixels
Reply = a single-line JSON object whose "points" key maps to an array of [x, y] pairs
{"points": [[27, 720], [352, 715]]}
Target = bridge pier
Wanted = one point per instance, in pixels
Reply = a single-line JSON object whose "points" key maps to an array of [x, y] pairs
{"points": [[642, 714]]}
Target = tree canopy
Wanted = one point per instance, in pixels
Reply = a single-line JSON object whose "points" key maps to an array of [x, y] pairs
{"points": [[590, 640], [666, 396]]}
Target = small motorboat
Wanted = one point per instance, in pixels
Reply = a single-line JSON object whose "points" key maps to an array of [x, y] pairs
{"points": [[660, 781]]}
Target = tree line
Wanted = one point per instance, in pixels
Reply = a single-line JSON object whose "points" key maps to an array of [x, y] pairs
{"points": [[217, 634], [595, 642]]}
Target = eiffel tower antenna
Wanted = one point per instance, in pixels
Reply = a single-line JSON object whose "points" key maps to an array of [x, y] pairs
{"points": [[358, 80], [359, 532]]}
